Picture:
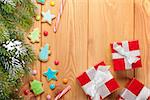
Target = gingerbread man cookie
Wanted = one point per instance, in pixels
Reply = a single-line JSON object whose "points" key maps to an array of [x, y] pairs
{"points": [[44, 53]]}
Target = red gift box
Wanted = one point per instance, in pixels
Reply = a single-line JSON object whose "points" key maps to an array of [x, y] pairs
{"points": [[126, 55], [97, 82], [135, 90]]}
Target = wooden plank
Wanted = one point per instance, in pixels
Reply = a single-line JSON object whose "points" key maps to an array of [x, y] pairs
{"points": [[109, 21], [37, 64], [50, 39], [142, 33], [69, 46], [36, 46]]}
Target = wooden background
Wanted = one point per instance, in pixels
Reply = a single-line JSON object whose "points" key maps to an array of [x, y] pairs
{"points": [[83, 39]]}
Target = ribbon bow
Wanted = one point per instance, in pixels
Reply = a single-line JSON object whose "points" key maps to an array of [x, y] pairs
{"points": [[98, 80], [130, 58]]}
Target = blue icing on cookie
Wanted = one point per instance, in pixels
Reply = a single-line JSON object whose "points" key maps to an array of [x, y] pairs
{"points": [[44, 53], [41, 1], [51, 74]]}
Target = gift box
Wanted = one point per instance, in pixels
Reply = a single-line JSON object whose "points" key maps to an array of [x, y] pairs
{"points": [[135, 90], [126, 55], [97, 82]]}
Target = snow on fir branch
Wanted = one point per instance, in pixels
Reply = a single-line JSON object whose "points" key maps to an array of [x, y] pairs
{"points": [[13, 64], [11, 45], [16, 56], [10, 2]]}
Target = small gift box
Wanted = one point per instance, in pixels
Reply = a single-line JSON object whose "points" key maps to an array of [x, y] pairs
{"points": [[97, 82], [126, 55], [135, 90]]}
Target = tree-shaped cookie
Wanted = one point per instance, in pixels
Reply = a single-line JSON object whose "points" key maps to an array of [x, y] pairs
{"points": [[36, 87], [34, 36], [44, 53]]}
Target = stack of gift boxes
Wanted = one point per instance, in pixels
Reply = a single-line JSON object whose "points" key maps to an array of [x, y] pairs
{"points": [[97, 82]]}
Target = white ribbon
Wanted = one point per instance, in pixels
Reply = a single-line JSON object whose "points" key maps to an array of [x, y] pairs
{"points": [[130, 58], [97, 82]]}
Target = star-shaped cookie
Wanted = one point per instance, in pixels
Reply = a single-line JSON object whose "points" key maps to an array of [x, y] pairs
{"points": [[51, 74], [47, 17]]}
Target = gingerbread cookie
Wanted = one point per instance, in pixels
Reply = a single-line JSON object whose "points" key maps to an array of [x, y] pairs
{"points": [[34, 36], [51, 74], [44, 53], [41, 1], [36, 87], [47, 17]]}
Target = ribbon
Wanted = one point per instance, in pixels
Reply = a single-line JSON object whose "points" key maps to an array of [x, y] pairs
{"points": [[130, 58], [97, 82]]}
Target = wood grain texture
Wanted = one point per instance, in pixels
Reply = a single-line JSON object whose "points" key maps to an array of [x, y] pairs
{"points": [[68, 45], [142, 33], [86, 29], [37, 64], [109, 21]]}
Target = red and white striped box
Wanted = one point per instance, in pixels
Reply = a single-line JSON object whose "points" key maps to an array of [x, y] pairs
{"points": [[126, 55], [135, 90], [97, 82]]}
